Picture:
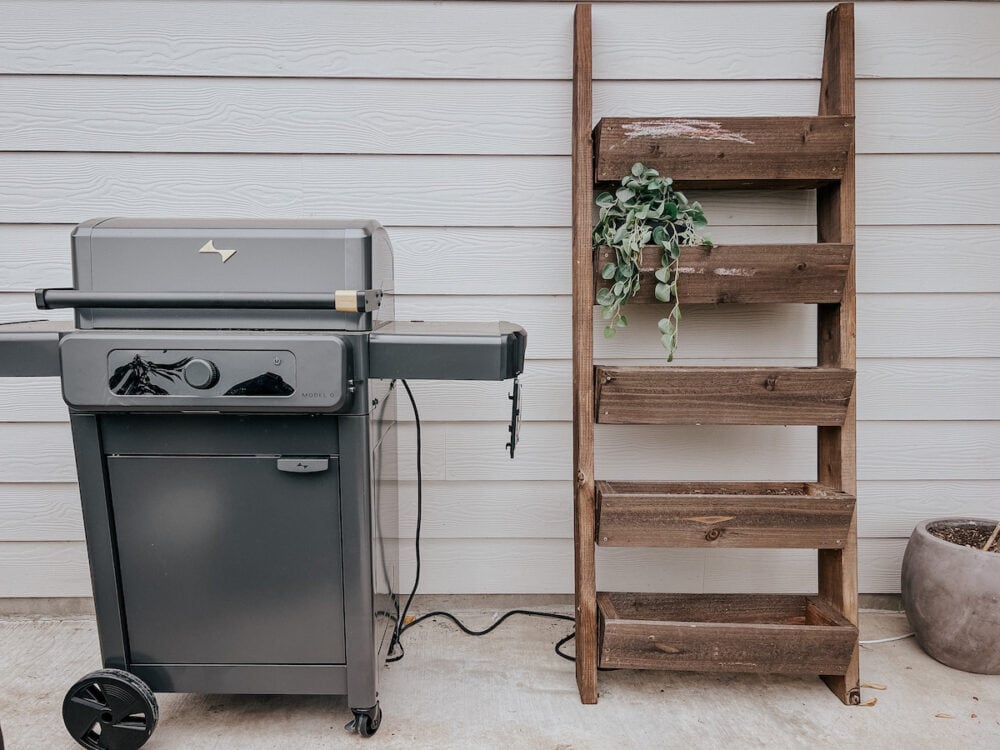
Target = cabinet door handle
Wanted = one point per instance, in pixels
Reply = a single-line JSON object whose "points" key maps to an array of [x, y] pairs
{"points": [[303, 465]]}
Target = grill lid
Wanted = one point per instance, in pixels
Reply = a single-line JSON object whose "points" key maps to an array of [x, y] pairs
{"points": [[259, 266]]}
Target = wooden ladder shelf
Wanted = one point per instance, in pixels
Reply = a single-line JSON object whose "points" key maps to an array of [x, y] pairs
{"points": [[804, 634]]}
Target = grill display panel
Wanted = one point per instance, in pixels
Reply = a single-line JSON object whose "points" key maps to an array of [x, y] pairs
{"points": [[172, 372]]}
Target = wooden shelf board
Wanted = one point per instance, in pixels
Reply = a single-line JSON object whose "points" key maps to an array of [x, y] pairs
{"points": [[727, 152], [810, 274], [722, 395], [772, 633], [722, 514]]}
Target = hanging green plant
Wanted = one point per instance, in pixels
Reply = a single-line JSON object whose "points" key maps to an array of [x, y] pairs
{"points": [[645, 210]]}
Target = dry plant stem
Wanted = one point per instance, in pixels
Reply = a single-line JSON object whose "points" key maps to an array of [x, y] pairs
{"points": [[993, 537]]}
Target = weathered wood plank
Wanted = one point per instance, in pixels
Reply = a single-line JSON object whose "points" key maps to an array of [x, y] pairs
{"points": [[837, 347], [583, 362], [727, 152], [743, 273], [730, 609], [722, 395], [723, 633], [752, 514]]}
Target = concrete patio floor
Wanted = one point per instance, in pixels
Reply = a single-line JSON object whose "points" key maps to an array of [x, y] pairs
{"points": [[509, 690]]}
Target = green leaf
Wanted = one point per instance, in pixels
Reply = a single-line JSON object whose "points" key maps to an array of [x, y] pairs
{"points": [[644, 210]]}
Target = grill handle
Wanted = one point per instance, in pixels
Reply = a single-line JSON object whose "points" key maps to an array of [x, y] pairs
{"points": [[352, 300]]}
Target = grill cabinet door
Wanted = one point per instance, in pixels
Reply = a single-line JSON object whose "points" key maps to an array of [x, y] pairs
{"points": [[227, 560]]}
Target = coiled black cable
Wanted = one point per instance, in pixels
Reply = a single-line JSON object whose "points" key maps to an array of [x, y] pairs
{"points": [[396, 651]]}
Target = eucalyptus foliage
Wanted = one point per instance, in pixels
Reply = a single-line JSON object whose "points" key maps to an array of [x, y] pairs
{"points": [[645, 210]]}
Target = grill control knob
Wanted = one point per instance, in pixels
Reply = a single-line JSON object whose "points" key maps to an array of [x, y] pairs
{"points": [[201, 374]]}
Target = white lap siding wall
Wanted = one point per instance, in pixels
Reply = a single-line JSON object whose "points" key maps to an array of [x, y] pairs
{"points": [[449, 122]]}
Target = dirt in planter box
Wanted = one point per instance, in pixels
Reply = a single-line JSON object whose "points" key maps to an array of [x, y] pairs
{"points": [[967, 536]]}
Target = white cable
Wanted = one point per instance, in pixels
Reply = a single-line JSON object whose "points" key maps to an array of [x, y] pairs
{"points": [[886, 640]]}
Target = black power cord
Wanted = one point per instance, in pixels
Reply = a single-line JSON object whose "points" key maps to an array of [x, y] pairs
{"points": [[401, 625], [401, 617]]}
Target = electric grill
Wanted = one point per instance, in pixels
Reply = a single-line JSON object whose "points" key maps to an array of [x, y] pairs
{"points": [[232, 403]]}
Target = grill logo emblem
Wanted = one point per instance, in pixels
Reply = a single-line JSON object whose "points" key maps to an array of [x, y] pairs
{"points": [[209, 247]]}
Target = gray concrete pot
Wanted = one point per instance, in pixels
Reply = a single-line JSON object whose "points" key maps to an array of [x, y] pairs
{"points": [[951, 595]]}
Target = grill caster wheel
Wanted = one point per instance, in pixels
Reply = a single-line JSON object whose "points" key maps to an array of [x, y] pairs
{"points": [[110, 710], [366, 721]]}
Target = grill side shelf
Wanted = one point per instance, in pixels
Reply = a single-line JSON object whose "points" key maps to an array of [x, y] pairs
{"points": [[31, 350], [418, 350]]}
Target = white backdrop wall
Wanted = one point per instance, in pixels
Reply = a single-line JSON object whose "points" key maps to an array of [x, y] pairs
{"points": [[449, 122]]}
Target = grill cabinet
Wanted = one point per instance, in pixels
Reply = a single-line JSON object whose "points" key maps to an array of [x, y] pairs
{"points": [[230, 387]]}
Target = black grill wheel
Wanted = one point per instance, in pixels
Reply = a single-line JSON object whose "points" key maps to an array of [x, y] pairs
{"points": [[110, 709]]}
